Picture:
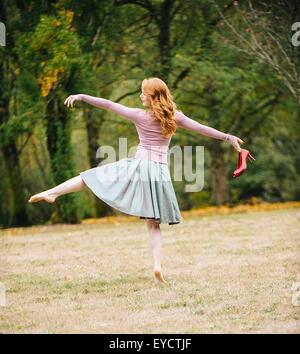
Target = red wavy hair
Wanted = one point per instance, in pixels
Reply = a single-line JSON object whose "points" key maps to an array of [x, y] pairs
{"points": [[161, 104]]}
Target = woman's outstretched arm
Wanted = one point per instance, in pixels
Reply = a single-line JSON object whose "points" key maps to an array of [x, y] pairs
{"points": [[190, 124], [127, 112]]}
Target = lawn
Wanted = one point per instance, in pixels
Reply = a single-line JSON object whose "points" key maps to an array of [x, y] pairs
{"points": [[227, 273]]}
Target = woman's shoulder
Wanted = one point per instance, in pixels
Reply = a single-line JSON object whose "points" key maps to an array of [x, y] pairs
{"points": [[146, 113], [178, 112], [179, 115]]}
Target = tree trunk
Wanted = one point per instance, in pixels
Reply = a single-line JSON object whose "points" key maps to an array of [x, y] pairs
{"points": [[164, 39], [60, 151], [93, 127], [17, 205], [219, 173]]}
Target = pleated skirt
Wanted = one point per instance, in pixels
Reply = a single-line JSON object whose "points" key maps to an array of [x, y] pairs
{"points": [[136, 186]]}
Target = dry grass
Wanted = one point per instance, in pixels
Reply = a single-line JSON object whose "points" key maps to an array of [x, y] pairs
{"points": [[228, 273]]}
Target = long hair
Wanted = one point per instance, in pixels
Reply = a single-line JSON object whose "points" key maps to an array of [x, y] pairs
{"points": [[161, 104]]}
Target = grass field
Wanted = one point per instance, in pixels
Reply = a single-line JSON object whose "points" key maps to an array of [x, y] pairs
{"points": [[230, 273]]}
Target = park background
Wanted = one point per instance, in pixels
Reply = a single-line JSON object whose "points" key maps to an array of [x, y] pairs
{"points": [[229, 64], [80, 266]]}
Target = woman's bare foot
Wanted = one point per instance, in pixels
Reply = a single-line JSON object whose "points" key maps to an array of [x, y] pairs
{"points": [[158, 275], [50, 198]]}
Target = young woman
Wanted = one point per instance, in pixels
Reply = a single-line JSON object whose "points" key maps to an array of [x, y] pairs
{"points": [[140, 185]]}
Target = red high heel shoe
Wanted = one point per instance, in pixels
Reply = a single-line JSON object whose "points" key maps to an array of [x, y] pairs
{"points": [[241, 167]]}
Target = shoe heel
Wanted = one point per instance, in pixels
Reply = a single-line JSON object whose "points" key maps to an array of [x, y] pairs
{"points": [[250, 157]]}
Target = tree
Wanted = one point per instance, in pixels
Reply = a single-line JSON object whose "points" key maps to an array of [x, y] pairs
{"points": [[10, 126], [55, 47], [265, 33]]}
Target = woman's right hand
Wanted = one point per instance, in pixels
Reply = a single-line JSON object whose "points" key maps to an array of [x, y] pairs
{"points": [[69, 102], [234, 141]]}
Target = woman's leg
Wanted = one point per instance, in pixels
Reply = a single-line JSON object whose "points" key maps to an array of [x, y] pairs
{"points": [[74, 184], [155, 240]]}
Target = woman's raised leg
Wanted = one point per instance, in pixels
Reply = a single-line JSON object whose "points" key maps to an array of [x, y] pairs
{"points": [[74, 184], [155, 240]]}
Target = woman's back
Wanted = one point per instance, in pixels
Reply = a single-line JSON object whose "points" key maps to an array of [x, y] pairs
{"points": [[153, 144]]}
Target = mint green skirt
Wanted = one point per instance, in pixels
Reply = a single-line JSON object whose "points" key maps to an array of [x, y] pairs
{"points": [[136, 186]]}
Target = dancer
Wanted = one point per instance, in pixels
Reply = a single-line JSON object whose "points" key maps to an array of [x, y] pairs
{"points": [[140, 185]]}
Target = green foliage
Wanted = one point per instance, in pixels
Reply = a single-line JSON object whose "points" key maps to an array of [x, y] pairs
{"points": [[54, 45], [51, 50], [95, 47]]}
